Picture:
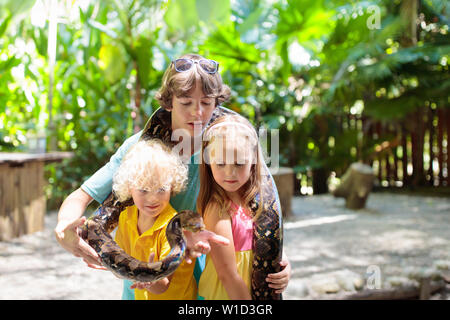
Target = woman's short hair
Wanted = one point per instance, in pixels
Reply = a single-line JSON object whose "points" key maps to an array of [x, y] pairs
{"points": [[179, 84]]}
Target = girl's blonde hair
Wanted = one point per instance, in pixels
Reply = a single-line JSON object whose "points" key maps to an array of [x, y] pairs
{"points": [[230, 130], [149, 165], [179, 84]]}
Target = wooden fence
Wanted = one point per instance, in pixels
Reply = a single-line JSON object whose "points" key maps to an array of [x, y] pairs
{"points": [[411, 152]]}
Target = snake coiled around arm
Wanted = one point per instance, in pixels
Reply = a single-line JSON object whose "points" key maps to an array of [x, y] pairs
{"points": [[96, 232]]}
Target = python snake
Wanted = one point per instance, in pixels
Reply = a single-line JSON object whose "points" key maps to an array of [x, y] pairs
{"points": [[267, 229], [96, 232]]}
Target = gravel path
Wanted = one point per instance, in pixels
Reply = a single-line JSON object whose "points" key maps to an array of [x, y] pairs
{"points": [[395, 234], [323, 240], [34, 266]]}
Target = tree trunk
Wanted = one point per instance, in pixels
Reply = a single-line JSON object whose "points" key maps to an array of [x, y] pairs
{"points": [[447, 113], [51, 51], [394, 151], [431, 131], [380, 164], [404, 133], [297, 185], [408, 12], [136, 116], [319, 181], [355, 186], [387, 158], [440, 139], [418, 137]]}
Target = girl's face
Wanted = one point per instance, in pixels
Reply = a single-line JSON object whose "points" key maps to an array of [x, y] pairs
{"points": [[192, 111], [150, 203], [230, 169]]}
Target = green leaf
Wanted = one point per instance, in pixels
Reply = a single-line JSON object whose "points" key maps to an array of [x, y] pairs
{"points": [[112, 61], [251, 21], [143, 49], [212, 12], [97, 25], [286, 68], [181, 15], [4, 24], [184, 15], [225, 42], [385, 109], [17, 7], [8, 64]]}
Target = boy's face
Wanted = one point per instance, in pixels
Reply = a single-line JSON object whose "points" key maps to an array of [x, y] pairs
{"points": [[192, 111], [151, 203]]}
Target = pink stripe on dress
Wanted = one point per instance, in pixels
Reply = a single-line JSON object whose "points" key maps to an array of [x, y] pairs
{"points": [[242, 226]]}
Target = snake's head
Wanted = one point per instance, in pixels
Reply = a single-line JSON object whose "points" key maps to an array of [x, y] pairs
{"points": [[191, 221]]}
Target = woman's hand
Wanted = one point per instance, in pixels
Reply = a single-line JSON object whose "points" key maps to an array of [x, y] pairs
{"points": [[70, 217], [280, 280], [198, 243]]}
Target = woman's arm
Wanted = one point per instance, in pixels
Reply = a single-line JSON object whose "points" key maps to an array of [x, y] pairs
{"points": [[69, 220], [97, 187], [224, 257]]}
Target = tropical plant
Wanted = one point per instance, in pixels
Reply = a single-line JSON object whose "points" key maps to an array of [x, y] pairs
{"points": [[298, 66]]}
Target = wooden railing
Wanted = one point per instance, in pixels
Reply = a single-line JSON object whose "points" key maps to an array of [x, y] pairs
{"points": [[410, 152]]}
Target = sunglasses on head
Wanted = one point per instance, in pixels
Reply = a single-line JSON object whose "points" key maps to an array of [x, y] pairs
{"points": [[210, 66]]}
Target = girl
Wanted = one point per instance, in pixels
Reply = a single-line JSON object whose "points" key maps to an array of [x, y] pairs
{"points": [[230, 178], [190, 97], [150, 173]]}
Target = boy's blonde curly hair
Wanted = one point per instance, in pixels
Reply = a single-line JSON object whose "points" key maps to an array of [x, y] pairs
{"points": [[149, 165]]}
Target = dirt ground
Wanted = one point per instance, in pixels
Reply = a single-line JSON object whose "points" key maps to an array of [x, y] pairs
{"points": [[331, 249]]}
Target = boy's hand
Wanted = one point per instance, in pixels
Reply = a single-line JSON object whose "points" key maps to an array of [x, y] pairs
{"points": [[144, 285], [198, 243], [156, 287]]}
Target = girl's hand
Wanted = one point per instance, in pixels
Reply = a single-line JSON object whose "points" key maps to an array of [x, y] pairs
{"points": [[280, 280], [198, 243]]}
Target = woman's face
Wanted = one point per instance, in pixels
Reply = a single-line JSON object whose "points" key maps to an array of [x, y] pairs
{"points": [[193, 111]]}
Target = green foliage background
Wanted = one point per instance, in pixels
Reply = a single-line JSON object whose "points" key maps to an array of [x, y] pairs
{"points": [[293, 65]]}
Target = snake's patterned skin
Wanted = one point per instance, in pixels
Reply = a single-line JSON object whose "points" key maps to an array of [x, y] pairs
{"points": [[267, 229], [115, 259], [267, 240]]}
